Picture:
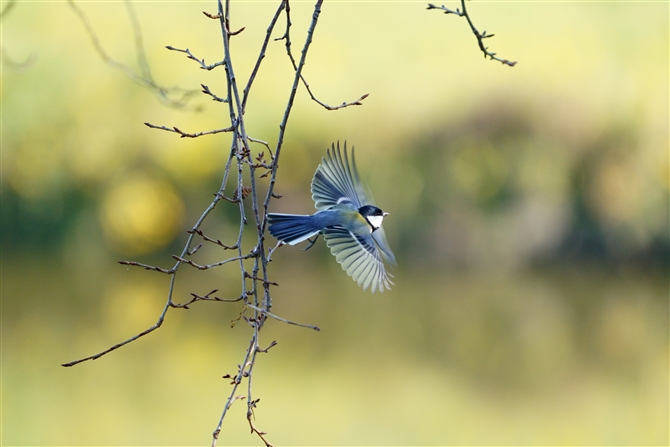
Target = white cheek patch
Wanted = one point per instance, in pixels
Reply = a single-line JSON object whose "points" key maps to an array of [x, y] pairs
{"points": [[375, 221]]}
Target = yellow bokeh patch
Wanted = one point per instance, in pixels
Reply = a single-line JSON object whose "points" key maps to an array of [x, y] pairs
{"points": [[140, 214]]}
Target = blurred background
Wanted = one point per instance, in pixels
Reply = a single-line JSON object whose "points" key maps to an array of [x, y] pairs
{"points": [[528, 211]]}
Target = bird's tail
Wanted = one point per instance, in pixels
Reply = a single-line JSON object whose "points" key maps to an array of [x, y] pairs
{"points": [[291, 228]]}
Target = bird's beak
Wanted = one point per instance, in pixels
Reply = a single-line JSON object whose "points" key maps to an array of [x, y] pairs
{"points": [[385, 214]]}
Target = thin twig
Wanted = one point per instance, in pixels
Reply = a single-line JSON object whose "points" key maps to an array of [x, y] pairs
{"points": [[265, 351], [158, 324], [209, 266], [8, 61], [238, 397], [283, 320], [235, 33], [239, 135], [231, 398], [264, 143], [148, 267], [195, 297], [193, 251], [287, 112], [145, 79], [207, 91], [273, 250], [287, 38], [480, 36], [16, 65], [189, 55], [212, 16], [189, 135], [8, 7], [214, 241], [261, 434], [261, 54], [255, 278], [169, 303]]}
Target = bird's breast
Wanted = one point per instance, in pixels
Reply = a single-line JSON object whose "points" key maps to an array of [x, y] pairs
{"points": [[352, 220]]}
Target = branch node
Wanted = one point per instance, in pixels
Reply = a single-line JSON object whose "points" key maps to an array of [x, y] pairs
{"points": [[272, 345], [255, 278], [480, 36], [212, 16], [147, 267], [207, 91]]}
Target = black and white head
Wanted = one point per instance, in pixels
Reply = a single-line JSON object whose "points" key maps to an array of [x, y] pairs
{"points": [[373, 215]]}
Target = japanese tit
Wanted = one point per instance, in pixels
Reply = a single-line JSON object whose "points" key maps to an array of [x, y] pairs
{"points": [[347, 218]]}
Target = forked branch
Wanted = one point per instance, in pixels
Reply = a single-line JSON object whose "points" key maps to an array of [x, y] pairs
{"points": [[144, 77], [286, 37], [189, 135], [480, 36], [201, 62]]}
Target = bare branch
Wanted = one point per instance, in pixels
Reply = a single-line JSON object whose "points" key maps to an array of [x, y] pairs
{"points": [[357, 102], [282, 127], [192, 251], [264, 281], [208, 239], [8, 7], [212, 16], [148, 267], [16, 65], [228, 199], [169, 303], [261, 54], [238, 397], [195, 297], [145, 79], [189, 55], [480, 36], [207, 91], [8, 61], [264, 143], [261, 434], [283, 320], [272, 345], [242, 152], [209, 266], [235, 33], [189, 135], [446, 10], [158, 324], [287, 38], [272, 250], [236, 382]]}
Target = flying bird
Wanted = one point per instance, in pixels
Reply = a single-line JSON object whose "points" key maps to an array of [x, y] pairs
{"points": [[347, 218]]}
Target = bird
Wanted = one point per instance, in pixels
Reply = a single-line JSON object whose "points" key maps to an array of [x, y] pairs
{"points": [[347, 218]]}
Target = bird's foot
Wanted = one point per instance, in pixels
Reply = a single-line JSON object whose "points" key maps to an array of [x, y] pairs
{"points": [[311, 242]]}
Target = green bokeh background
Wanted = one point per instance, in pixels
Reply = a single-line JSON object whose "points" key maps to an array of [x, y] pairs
{"points": [[528, 211]]}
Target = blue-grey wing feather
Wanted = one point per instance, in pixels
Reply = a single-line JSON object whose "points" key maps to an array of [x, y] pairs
{"points": [[380, 239], [360, 257], [336, 181]]}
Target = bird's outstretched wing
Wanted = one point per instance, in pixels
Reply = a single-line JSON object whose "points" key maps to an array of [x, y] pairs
{"points": [[336, 181], [359, 257], [380, 239]]}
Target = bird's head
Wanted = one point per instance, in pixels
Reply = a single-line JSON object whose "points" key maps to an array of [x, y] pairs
{"points": [[373, 215]]}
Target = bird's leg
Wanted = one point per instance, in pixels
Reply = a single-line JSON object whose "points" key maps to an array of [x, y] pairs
{"points": [[312, 242]]}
